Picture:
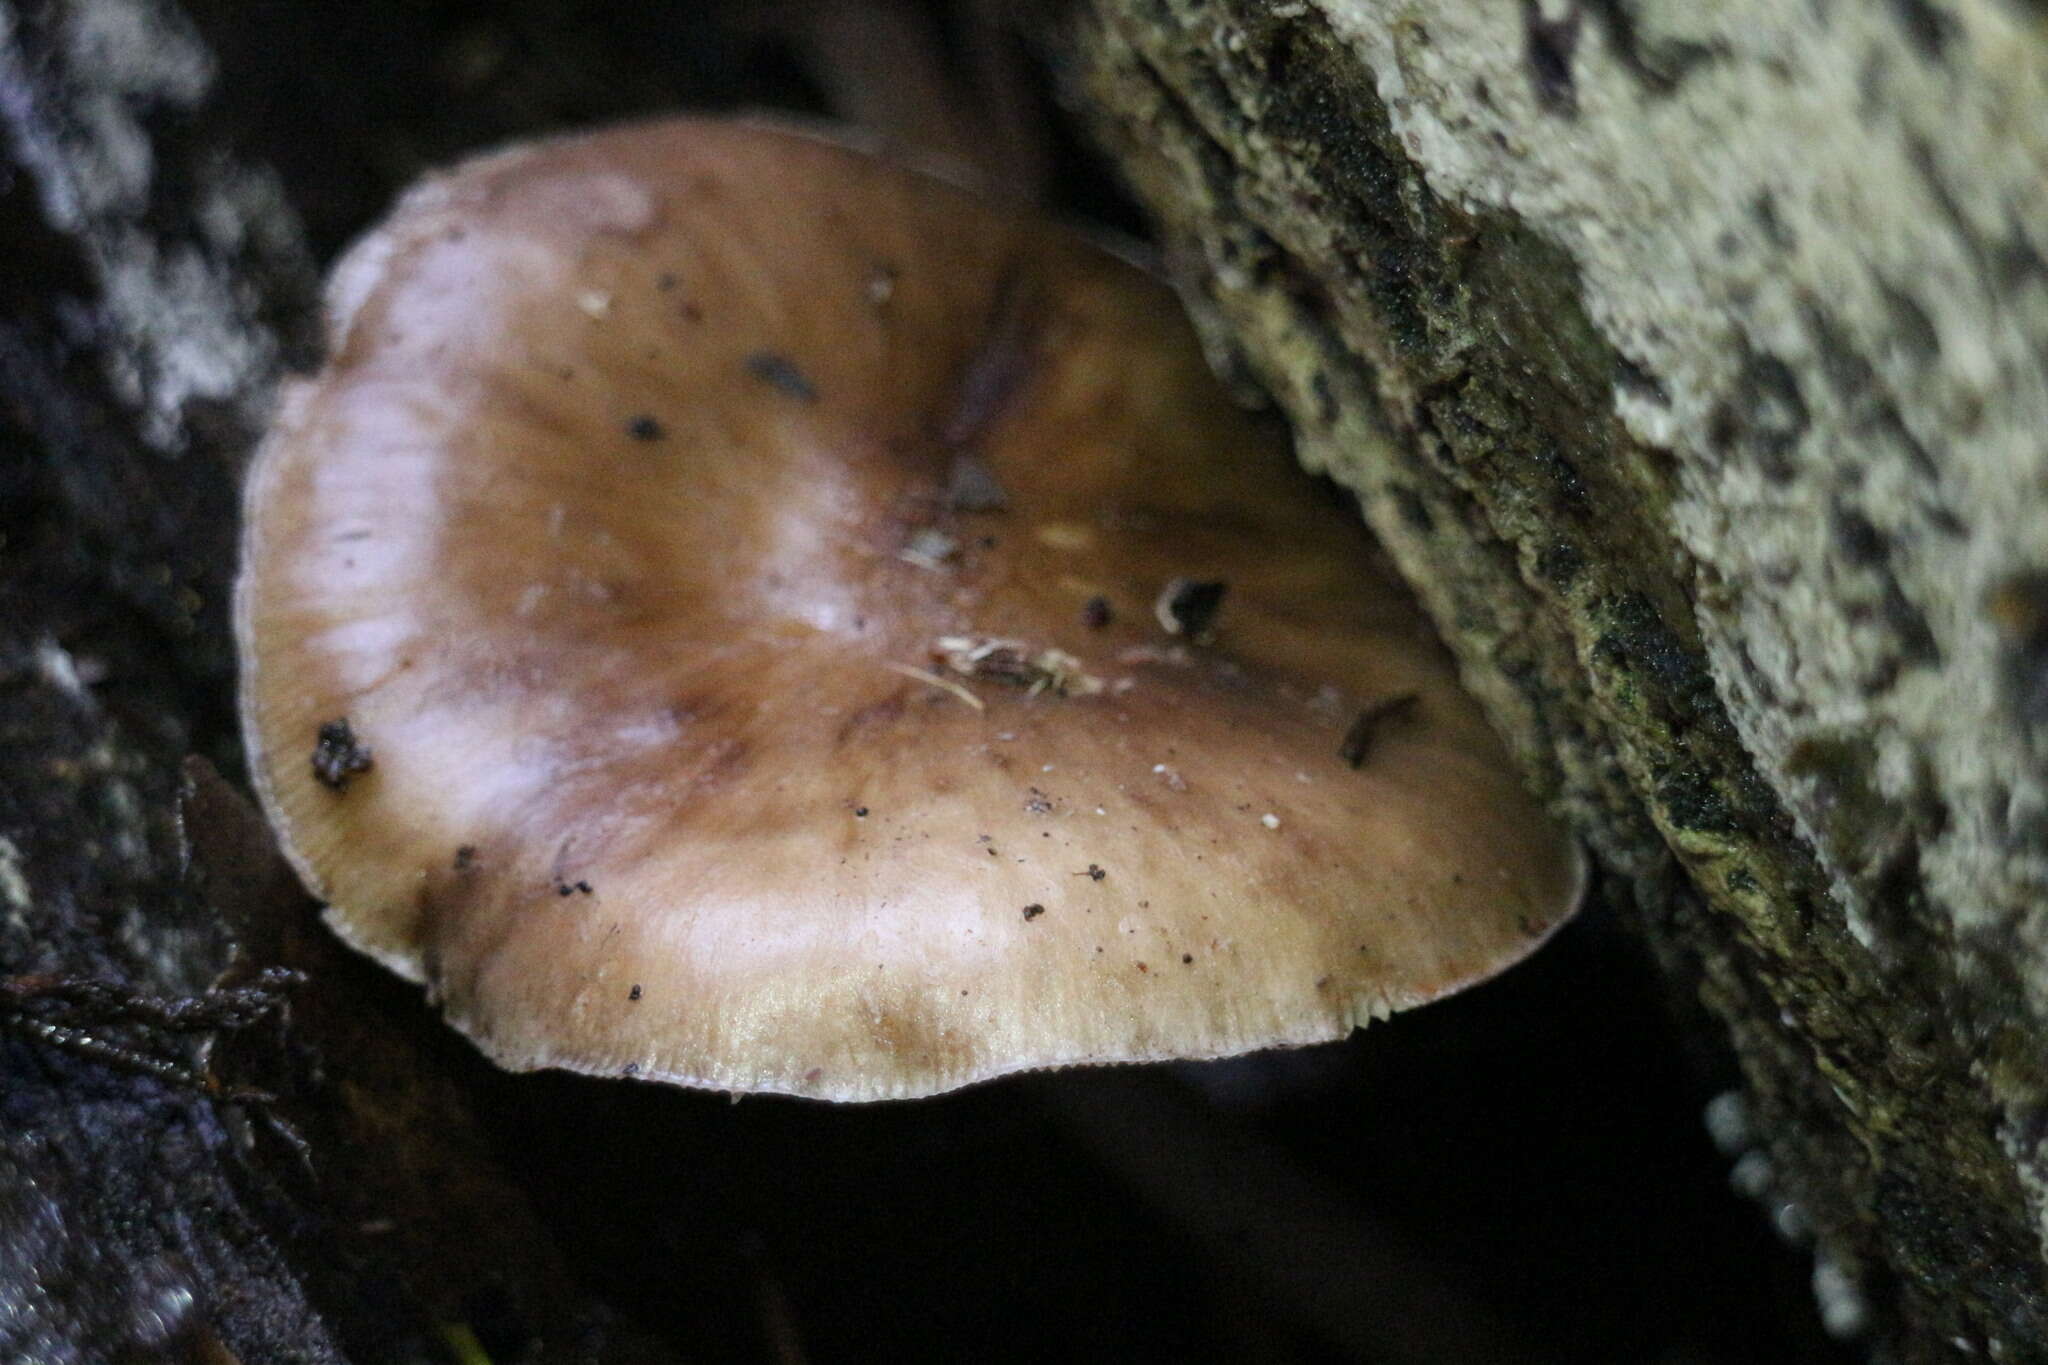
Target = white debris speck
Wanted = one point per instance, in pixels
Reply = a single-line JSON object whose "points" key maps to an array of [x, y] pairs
{"points": [[1751, 1176], [60, 671], [929, 549], [1067, 536], [13, 885], [1727, 1120], [1171, 778], [1842, 1310], [1270, 820], [596, 302]]}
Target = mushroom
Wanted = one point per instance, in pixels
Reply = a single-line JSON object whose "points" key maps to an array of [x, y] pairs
{"points": [[691, 725]]}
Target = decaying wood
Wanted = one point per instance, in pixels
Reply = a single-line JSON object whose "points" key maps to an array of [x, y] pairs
{"points": [[1690, 366], [1693, 362]]}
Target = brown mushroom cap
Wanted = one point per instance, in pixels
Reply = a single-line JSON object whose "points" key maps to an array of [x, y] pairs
{"points": [[699, 528]]}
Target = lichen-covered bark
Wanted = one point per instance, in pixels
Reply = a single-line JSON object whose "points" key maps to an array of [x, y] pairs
{"points": [[1693, 362]]}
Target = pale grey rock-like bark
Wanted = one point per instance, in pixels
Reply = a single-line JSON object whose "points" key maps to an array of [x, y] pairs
{"points": [[1693, 362]]}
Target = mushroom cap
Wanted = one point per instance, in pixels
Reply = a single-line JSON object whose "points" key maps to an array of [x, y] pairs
{"points": [[694, 545]]}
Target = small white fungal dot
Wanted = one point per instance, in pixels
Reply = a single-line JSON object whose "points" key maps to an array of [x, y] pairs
{"points": [[1843, 1312], [1751, 1176], [1270, 820], [595, 302], [1727, 1121]]}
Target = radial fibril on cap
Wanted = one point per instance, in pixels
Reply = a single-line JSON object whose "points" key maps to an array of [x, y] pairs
{"points": [[686, 764]]}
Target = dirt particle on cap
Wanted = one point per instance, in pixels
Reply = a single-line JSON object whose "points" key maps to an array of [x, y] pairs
{"points": [[633, 994], [1187, 959], [465, 857], [645, 427], [860, 812], [1188, 606], [1096, 612], [338, 755], [1033, 911], [1013, 663], [1358, 740], [780, 373], [881, 283]]}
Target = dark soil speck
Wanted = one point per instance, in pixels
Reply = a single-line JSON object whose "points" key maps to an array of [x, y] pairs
{"points": [[780, 373], [338, 755], [1188, 606]]}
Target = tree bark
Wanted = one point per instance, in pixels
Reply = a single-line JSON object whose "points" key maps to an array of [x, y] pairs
{"points": [[152, 1205], [1693, 363]]}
